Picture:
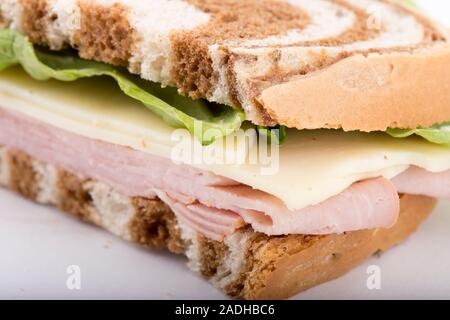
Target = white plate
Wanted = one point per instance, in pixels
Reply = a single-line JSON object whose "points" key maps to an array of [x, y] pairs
{"points": [[38, 244]]}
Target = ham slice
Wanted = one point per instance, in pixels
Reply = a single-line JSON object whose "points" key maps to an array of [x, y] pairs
{"points": [[418, 181], [211, 222], [372, 202], [214, 205]]}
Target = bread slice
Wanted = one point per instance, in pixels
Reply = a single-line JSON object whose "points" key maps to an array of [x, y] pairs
{"points": [[247, 264], [353, 64]]}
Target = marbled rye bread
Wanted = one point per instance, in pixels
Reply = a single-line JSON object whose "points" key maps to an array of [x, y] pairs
{"points": [[352, 64]]}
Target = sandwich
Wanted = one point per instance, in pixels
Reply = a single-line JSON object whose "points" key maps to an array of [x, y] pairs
{"points": [[335, 115]]}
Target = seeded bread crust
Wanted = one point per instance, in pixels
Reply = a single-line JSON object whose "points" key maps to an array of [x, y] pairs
{"points": [[247, 264], [233, 52]]}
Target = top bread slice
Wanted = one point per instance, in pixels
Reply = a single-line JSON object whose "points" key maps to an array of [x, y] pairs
{"points": [[362, 65]]}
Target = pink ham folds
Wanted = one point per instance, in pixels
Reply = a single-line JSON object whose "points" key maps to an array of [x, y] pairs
{"points": [[421, 182], [213, 205], [367, 204]]}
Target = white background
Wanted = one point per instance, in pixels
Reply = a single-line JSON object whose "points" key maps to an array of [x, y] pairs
{"points": [[37, 244]]}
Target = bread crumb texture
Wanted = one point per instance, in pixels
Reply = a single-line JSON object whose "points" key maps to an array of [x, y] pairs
{"points": [[3, 22], [35, 20], [192, 68], [105, 33]]}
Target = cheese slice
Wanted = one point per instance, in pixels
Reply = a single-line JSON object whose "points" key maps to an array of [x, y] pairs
{"points": [[309, 168]]}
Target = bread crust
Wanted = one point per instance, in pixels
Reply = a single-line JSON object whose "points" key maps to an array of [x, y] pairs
{"points": [[367, 93], [334, 255]]}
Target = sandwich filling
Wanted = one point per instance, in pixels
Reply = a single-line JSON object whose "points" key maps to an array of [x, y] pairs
{"points": [[327, 181], [100, 122]]}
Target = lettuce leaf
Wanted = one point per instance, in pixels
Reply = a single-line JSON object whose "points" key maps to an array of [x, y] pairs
{"points": [[439, 134], [275, 134], [178, 111]]}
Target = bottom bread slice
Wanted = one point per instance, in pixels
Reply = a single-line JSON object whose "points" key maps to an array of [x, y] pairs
{"points": [[247, 264]]}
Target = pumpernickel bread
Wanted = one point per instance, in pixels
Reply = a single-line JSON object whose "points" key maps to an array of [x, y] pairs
{"points": [[247, 264], [353, 64]]}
